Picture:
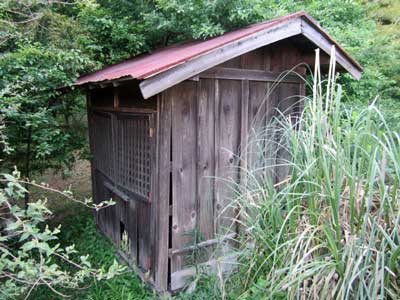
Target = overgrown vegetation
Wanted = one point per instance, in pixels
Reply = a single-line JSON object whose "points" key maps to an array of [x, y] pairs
{"points": [[79, 229], [330, 228]]}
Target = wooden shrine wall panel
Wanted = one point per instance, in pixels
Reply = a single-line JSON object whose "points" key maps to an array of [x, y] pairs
{"points": [[123, 156], [256, 60], [143, 235], [184, 162], [258, 104], [163, 191], [206, 158], [227, 141], [286, 98]]}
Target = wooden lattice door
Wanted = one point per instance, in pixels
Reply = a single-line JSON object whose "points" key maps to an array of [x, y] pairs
{"points": [[122, 148]]}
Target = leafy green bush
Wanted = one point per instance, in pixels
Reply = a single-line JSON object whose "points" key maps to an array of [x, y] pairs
{"points": [[39, 127], [30, 255], [80, 229]]}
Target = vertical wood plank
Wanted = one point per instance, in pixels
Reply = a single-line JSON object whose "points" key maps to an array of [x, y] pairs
{"points": [[244, 136], [133, 230], [184, 205], [217, 101], [269, 101], [116, 97], [257, 106], [206, 161], [244, 130], [302, 91], [164, 115], [228, 134], [113, 213], [153, 195], [257, 123], [286, 56], [144, 238], [253, 60]]}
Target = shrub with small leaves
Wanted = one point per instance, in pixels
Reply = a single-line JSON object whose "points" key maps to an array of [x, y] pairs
{"points": [[30, 255]]}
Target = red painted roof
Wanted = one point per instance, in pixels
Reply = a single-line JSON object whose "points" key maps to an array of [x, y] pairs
{"points": [[147, 65]]}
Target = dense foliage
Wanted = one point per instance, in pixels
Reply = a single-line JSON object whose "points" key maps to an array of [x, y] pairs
{"points": [[45, 45]]}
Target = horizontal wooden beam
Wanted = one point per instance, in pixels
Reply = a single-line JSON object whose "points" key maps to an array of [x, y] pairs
{"points": [[123, 109], [171, 77], [124, 196], [203, 244], [251, 75], [115, 191]]}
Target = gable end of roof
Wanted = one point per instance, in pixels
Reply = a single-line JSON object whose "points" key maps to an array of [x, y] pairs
{"points": [[160, 82]]}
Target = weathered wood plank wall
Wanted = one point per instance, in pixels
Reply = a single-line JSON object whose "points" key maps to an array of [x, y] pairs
{"points": [[163, 193], [212, 117]]}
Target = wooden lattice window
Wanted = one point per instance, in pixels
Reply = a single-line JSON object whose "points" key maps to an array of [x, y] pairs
{"points": [[133, 148], [121, 148]]}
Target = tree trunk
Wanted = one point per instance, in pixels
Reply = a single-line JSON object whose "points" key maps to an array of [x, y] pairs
{"points": [[27, 165]]}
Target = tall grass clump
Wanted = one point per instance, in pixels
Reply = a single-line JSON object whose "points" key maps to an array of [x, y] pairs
{"points": [[329, 227]]}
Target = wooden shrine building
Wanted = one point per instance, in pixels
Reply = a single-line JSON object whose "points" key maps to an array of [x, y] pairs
{"points": [[163, 124]]}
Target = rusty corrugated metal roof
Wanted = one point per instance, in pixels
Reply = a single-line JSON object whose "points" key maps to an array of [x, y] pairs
{"points": [[148, 65]]}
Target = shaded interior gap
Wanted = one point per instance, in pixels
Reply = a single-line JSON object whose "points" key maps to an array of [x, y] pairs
{"points": [[137, 235], [170, 208], [121, 230], [169, 274], [170, 188]]}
